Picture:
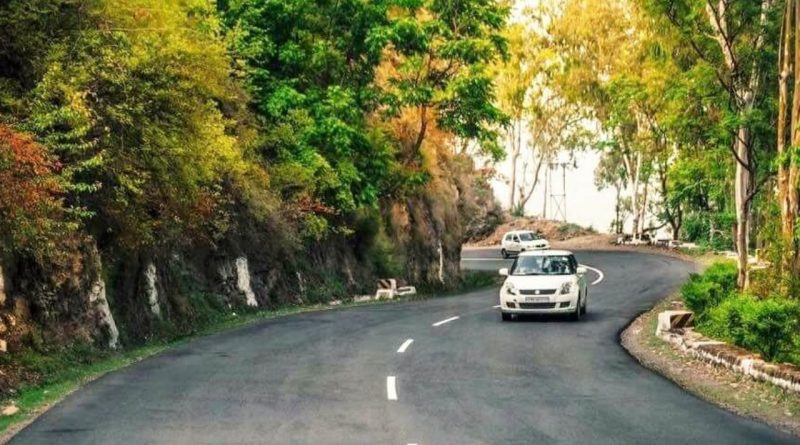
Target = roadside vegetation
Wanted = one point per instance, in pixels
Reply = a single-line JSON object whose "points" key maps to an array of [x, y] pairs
{"points": [[718, 385], [769, 325]]}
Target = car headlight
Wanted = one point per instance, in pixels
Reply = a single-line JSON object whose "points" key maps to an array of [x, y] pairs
{"points": [[566, 287], [511, 289]]}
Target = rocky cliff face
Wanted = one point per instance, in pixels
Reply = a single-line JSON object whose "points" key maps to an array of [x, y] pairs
{"points": [[130, 298], [108, 298], [431, 225]]}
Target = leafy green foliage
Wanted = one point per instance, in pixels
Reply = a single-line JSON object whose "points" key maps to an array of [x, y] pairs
{"points": [[443, 51], [133, 108], [176, 123], [30, 196], [768, 326], [310, 67], [705, 291]]}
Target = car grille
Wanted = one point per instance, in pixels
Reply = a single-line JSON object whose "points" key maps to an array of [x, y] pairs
{"points": [[535, 292], [537, 305]]}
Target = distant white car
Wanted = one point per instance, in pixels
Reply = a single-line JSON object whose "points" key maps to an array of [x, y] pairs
{"points": [[544, 282], [520, 241]]}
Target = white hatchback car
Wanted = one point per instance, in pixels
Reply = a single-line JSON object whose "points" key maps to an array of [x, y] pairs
{"points": [[520, 241], [544, 282]]}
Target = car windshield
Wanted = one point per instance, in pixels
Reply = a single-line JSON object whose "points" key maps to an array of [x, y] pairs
{"points": [[544, 265], [527, 236]]}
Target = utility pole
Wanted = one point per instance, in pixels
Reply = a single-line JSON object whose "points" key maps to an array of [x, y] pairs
{"points": [[546, 181], [559, 200]]}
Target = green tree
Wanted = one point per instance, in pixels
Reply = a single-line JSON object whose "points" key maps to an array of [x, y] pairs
{"points": [[309, 68], [136, 108], [737, 42]]}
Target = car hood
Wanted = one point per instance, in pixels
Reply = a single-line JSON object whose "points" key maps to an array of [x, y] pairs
{"points": [[540, 281]]}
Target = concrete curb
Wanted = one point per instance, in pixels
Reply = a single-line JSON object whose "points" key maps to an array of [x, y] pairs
{"points": [[732, 357]]}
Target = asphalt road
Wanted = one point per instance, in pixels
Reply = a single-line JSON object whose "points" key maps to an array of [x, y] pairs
{"points": [[323, 378]]}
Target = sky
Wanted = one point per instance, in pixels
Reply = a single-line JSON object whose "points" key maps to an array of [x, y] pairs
{"points": [[585, 204]]}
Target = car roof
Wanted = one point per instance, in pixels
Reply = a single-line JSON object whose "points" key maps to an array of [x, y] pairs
{"points": [[514, 232], [545, 253]]}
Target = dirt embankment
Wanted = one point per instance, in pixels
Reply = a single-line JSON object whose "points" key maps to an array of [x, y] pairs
{"points": [[560, 234]]}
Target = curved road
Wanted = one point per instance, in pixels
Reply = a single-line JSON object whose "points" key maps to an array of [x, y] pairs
{"points": [[324, 378]]}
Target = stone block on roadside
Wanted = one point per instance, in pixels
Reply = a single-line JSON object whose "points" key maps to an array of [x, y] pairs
{"points": [[384, 294], [9, 410], [669, 320], [406, 291]]}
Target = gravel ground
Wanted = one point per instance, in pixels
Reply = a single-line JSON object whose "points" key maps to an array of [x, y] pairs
{"points": [[727, 389]]}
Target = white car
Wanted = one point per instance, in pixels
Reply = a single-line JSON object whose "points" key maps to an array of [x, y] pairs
{"points": [[544, 282], [520, 241]]}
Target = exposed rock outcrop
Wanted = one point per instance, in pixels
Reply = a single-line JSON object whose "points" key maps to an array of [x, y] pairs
{"points": [[151, 289], [236, 280], [243, 281], [99, 303]]}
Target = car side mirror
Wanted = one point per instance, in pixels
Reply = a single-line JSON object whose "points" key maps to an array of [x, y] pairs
{"points": [[504, 272], [581, 270]]}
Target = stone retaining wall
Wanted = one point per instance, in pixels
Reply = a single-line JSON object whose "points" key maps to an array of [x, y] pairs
{"points": [[737, 359]]}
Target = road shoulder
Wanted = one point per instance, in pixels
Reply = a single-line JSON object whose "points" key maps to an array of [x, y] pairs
{"points": [[720, 386]]}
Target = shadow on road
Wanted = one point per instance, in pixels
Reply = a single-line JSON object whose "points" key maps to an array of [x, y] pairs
{"points": [[556, 318]]}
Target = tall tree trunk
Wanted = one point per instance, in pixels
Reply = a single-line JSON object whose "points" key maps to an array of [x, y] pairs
{"points": [[744, 85], [742, 184], [618, 209], [525, 196], [793, 174], [793, 198], [787, 169], [515, 151], [674, 215], [643, 207], [635, 193]]}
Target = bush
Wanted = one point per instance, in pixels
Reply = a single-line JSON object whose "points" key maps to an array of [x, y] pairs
{"points": [[707, 290], [697, 229], [769, 326], [569, 230]]}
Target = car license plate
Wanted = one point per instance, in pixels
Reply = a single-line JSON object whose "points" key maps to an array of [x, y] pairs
{"points": [[536, 299]]}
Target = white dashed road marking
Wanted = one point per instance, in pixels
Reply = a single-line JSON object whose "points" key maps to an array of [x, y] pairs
{"points": [[405, 346], [391, 387], [439, 323]]}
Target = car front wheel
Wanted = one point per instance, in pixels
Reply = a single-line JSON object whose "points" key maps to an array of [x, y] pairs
{"points": [[505, 317], [504, 253], [585, 306], [576, 315]]}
